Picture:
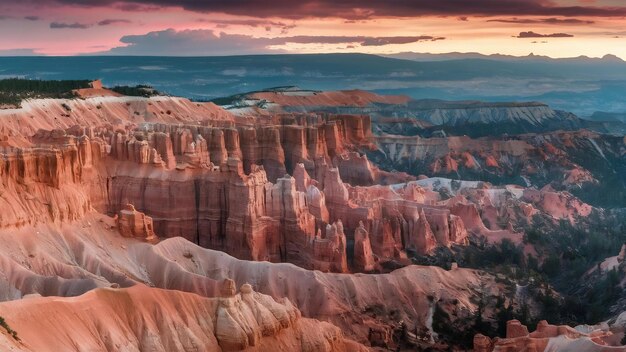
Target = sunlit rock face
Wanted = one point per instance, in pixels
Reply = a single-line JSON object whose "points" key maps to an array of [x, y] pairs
{"points": [[225, 184]]}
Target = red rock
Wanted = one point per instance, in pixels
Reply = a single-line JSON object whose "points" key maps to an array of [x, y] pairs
{"points": [[329, 251], [211, 182], [558, 337], [355, 169], [469, 161], [490, 161], [338, 98], [422, 240], [334, 188], [482, 343], [303, 180], [515, 329], [233, 322], [363, 255], [217, 147], [438, 221], [132, 223], [317, 203], [458, 233]]}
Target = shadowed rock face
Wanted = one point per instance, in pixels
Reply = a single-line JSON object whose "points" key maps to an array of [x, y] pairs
{"points": [[529, 159]]}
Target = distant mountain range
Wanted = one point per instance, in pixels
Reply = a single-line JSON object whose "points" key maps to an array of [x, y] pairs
{"points": [[580, 85], [608, 116], [530, 57]]}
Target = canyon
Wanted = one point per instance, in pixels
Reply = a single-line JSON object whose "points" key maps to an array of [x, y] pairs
{"points": [[270, 226]]}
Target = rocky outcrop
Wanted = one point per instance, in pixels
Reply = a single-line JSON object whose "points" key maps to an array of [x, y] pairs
{"points": [[355, 169], [545, 337], [296, 223], [58, 183], [559, 205], [142, 318], [243, 319], [316, 201], [132, 223], [422, 240], [52, 114], [482, 343], [528, 159], [363, 256], [306, 99], [329, 251]]}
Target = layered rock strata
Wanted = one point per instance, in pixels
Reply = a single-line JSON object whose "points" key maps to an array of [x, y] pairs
{"points": [[141, 318], [226, 185], [545, 338], [173, 181]]}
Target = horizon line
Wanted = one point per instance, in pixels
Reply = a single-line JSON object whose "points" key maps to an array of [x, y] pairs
{"points": [[388, 56]]}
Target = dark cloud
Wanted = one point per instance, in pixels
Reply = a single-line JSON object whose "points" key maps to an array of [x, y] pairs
{"points": [[397, 40], [268, 25], [191, 43], [463, 18], [109, 22], [362, 40], [207, 42], [551, 20], [531, 34], [32, 18], [75, 25], [356, 9], [133, 7]]}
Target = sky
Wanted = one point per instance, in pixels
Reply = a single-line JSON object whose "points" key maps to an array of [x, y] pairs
{"points": [[556, 28]]}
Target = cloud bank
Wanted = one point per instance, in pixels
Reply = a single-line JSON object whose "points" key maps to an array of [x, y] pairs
{"points": [[206, 42], [359, 9]]}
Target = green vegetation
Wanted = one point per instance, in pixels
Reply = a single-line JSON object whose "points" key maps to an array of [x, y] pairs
{"points": [[14, 90], [136, 91], [460, 330], [558, 284], [569, 253], [6, 326]]}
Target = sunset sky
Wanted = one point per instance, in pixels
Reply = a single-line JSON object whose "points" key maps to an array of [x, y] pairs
{"points": [[557, 28]]}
